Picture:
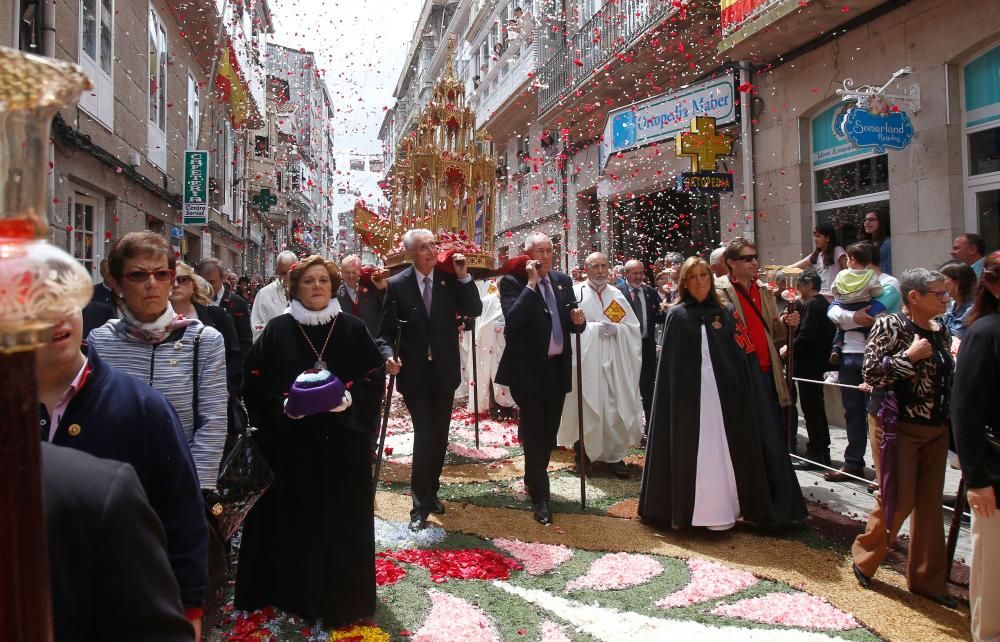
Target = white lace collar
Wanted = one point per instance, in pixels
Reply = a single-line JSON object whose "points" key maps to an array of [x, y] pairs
{"points": [[313, 317]]}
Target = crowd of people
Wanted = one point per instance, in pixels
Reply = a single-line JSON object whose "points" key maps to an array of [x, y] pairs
{"points": [[687, 358]]}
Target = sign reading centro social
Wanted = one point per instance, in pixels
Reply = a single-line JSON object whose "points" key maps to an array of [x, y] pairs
{"points": [[195, 187], [662, 117]]}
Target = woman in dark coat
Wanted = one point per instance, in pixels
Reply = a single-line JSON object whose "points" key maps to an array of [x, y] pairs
{"points": [[308, 544], [706, 464]]}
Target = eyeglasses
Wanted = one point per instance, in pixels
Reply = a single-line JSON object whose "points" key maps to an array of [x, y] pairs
{"points": [[943, 295], [871, 219], [141, 276], [747, 258], [182, 279]]}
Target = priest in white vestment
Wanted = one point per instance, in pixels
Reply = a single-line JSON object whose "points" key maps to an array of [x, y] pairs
{"points": [[611, 349], [490, 343], [272, 299]]}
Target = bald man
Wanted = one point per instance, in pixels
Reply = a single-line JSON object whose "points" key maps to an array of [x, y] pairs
{"points": [[647, 307], [611, 354]]}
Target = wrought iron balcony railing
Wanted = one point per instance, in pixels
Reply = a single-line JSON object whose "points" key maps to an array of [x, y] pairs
{"points": [[608, 32]]}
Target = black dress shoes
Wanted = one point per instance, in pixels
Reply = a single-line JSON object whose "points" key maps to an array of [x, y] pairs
{"points": [[863, 580], [437, 508], [945, 600], [543, 513], [619, 469], [418, 523]]}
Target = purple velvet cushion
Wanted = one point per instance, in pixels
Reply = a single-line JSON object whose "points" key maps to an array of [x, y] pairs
{"points": [[314, 392]]}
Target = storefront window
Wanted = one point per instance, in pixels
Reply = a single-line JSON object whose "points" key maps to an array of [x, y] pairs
{"points": [[984, 152], [860, 178], [981, 118]]}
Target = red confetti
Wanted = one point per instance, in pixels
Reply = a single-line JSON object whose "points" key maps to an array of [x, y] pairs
{"points": [[388, 572], [461, 564]]}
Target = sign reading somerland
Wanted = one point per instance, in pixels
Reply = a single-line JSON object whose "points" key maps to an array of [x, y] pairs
{"points": [[663, 117], [195, 187], [878, 130]]}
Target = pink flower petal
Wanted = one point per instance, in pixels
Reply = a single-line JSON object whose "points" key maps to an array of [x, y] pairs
{"points": [[790, 609], [552, 632], [452, 618], [617, 571], [709, 580], [536, 558]]}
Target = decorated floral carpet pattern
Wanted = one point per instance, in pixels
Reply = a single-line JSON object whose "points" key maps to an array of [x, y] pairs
{"points": [[486, 572]]}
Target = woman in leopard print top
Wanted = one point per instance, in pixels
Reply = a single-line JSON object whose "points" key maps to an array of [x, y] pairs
{"points": [[909, 355]]}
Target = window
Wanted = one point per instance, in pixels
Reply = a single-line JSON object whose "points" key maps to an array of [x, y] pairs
{"points": [[157, 104], [357, 165], [261, 147], [981, 120], [97, 29], [847, 181], [194, 113], [29, 20], [86, 220], [376, 166]]}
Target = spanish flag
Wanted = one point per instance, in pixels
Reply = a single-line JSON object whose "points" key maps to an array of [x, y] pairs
{"points": [[735, 12], [230, 86]]}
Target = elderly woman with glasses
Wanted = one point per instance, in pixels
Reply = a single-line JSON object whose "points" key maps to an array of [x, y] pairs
{"points": [[190, 296], [908, 357], [314, 379]]}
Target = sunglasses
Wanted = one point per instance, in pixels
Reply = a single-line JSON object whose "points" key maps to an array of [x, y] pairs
{"points": [[182, 279], [748, 258], [141, 276]]}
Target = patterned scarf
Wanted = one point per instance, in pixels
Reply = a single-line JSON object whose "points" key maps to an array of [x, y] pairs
{"points": [[153, 332]]}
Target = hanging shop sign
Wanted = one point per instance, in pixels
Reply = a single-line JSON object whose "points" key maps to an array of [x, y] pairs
{"points": [[704, 146], [878, 130], [195, 187], [662, 117]]}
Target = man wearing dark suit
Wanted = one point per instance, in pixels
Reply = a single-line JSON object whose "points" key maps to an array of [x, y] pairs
{"points": [[646, 304], [540, 313], [211, 270], [103, 292], [111, 581], [429, 300], [96, 314], [358, 298]]}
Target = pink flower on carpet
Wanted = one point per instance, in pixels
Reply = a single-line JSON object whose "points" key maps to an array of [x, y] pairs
{"points": [[460, 564], [617, 571], [790, 609], [552, 632], [537, 558], [452, 618], [484, 452], [709, 580]]}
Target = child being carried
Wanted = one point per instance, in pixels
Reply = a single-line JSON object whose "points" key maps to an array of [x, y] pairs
{"points": [[855, 289]]}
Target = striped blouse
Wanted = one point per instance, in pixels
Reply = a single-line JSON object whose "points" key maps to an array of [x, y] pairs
{"points": [[168, 367]]}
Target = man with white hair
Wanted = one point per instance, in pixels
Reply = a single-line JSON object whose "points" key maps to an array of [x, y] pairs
{"points": [[273, 297], [717, 263], [430, 298], [611, 354], [361, 298]]}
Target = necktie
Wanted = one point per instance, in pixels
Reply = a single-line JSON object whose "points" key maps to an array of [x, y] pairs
{"points": [[637, 306], [427, 294], [556, 340]]}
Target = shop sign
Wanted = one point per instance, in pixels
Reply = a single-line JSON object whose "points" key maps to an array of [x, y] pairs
{"points": [[878, 130], [662, 117], [195, 187], [713, 182]]}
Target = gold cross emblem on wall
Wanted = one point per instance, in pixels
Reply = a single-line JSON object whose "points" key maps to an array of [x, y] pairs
{"points": [[702, 144]]}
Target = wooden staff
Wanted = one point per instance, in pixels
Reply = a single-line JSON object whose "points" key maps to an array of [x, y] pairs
{"points": [[388, 403]]}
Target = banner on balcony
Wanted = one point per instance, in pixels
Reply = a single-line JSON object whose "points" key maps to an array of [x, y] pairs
{"points": [[661, 118], [736, 12], [231, 87]]}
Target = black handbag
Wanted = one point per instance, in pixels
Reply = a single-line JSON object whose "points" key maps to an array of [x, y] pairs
{"points": [[244, 474]]}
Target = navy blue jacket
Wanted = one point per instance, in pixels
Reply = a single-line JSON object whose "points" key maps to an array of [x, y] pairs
{"points": [[116, 416]]}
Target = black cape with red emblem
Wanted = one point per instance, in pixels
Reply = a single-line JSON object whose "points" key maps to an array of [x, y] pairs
{"points": [[308, 544], [766, 485]]}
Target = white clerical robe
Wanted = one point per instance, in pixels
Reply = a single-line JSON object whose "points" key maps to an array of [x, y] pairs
{"points": [[269, 303], [490, 343], [612, 413]]}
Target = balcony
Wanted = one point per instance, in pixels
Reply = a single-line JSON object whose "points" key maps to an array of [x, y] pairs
{"points": [[618, 24], [763, 30], [506, 78]]}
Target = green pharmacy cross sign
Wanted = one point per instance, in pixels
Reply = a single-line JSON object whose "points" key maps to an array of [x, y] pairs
{"points": [[265, 200]]}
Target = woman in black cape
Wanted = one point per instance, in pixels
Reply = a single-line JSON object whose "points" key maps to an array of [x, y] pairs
{"points": [[674, 493], [308, 544]]}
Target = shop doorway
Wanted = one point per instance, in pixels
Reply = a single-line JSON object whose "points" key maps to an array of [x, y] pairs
{"points": [[650, 226]]}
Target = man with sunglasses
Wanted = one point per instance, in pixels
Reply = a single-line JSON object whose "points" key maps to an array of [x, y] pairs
{"points": [[212, 271], [755, 306], [272, 299]]}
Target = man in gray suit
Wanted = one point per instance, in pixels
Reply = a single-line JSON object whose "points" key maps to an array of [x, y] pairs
{"points": [[360, 298]]}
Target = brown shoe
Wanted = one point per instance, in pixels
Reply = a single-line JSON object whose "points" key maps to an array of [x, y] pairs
{"points": [[845, 474]]}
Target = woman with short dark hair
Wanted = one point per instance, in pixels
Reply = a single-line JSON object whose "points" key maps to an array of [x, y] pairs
{"points": [[314, 379]]}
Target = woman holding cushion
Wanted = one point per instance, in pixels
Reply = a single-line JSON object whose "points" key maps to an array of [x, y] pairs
{"points": [[313, 381]]}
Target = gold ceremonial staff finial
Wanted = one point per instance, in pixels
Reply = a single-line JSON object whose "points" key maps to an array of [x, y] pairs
{"points": [[702, 144]]}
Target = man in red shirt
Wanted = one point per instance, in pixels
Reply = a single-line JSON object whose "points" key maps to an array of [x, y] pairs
{"points": [[754, 304]]}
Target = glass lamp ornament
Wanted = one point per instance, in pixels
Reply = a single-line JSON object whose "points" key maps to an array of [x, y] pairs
{"points": [[39, 285]]}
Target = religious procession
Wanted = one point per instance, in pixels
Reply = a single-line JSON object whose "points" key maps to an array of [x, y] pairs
{"points": [[538, 320]]}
